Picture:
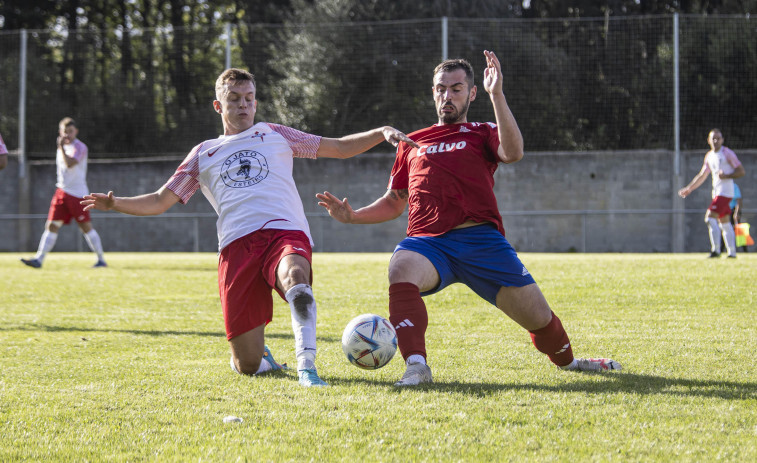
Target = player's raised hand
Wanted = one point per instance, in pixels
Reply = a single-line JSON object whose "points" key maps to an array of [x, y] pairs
{"points": [[339, 210], [492, 74], [99, 201], [394, 137]]}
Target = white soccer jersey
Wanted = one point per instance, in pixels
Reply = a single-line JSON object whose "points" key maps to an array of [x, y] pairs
{"points": [[724, 160], [248, 180], [73, 180]]}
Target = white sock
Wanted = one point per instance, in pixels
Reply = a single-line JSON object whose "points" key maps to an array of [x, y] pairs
{"points": [[302, 305], [46, 244], [714, 226], [416, 358], [571, 366], [729, 236], [93, 240], [264, 366]]}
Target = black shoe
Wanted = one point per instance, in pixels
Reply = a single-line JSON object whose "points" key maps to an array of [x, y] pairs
{"points": [[732, 257], [32, 263], [714, 254]]}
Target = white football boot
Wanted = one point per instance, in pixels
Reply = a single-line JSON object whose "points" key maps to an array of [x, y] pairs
{"points": [[416, 373], [598, 364]]}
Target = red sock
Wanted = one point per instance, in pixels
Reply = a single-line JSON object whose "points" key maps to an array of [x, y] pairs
{"points": [[408, 315], [553, 341]]}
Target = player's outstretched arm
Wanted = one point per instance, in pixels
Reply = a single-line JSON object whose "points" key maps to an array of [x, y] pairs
{"points": [[696, 182], [510, 138], [352, 145], [388, 207], [149, 204]]}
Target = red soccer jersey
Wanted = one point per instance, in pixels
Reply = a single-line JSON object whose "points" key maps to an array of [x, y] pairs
{"points": [[450, 178]]}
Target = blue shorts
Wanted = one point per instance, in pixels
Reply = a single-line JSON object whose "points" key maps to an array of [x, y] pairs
{"points": [[479, 256]]}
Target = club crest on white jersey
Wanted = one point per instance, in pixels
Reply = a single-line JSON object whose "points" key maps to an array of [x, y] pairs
{"points": [[244, 169]]}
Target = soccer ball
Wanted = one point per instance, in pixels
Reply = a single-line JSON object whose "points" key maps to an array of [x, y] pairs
{"points": [[369, 341]]}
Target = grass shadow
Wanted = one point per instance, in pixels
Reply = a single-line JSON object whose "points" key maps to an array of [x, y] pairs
{"points": [[78, 329], [624, 383], [166, 268], [53, 329]]}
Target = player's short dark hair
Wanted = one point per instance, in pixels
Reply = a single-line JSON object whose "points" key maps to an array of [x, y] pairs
{"points": [[67, 122], [233, 75], [454, 64]]}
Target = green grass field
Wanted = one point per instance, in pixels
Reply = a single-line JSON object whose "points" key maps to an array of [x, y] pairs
{"points": [[130, 363]]}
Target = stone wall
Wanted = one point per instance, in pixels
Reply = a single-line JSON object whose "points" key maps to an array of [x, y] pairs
{"points": [[551, 202]]}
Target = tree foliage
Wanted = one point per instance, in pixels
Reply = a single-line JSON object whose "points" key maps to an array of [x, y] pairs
{"points": [[138, 75]]}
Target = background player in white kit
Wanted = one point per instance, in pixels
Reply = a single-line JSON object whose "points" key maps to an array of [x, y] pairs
{"points": [[724, 166], [71, 163], [263, 236]]}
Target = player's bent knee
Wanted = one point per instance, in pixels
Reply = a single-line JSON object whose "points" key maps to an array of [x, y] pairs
{"points": [[293, 270], [411, 267], [526, 305], [294, 275], [400, 274], [248, 366]]}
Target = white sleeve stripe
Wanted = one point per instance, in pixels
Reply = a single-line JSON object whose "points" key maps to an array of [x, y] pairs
{"points": [[303, 145], [184, 181]]}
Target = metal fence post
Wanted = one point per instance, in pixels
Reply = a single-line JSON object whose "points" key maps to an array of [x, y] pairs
{"points": [[677, 222], [24, 185], [445, 38], [583, 232], [228, 45], [196, 223]]}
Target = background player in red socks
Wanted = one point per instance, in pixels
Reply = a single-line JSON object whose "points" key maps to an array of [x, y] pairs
{"points": [[724, 166], [263, 235], [71, 163], [455, 232]]}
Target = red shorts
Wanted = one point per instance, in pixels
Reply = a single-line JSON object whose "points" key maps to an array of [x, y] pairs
{"points": [[719, 206], [247, 273], [66, 207]]}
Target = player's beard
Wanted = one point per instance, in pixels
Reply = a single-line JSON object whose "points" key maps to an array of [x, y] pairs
{"points": [[455, 116]]}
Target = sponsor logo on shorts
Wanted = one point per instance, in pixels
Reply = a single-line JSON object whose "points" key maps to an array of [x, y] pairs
{"points": [[524, 272], [298, 249], [244, 169]]}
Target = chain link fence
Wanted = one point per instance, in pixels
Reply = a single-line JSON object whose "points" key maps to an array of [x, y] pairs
{"points": [[573, 84]]}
